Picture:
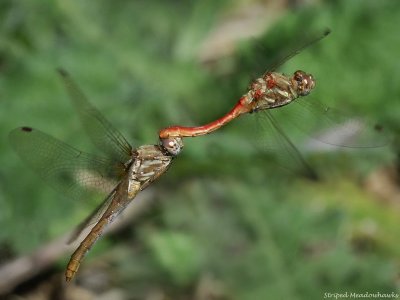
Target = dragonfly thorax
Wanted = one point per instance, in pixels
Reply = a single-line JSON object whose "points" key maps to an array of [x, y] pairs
{"points": [[270, 91]]}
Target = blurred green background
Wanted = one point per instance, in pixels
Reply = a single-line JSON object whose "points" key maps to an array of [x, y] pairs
{"points": [[226, 223]]}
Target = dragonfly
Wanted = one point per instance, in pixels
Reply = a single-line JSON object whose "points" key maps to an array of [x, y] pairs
{"points": [[271, 94], [120, 174]]}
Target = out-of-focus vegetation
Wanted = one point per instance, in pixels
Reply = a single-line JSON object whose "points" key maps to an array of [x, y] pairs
{"points": [[228, 223]]}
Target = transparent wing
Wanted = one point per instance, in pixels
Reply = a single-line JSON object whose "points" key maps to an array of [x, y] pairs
{"points": [[72, 172], [276, 141], [111, 207], [309, 42], [327, 127], [331, 126], [92, 218], [102, 134]]}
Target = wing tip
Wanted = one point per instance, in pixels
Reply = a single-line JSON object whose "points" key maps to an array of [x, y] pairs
{"points": [[16, 131], [327, 31], [26, 128], [62, 72]]}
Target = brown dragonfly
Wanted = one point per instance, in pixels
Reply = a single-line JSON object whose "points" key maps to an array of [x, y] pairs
{"points": [[76, 173], [271, 94]]}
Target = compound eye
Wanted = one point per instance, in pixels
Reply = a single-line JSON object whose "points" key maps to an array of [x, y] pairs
{"points": [[299, 77], [305, 82], [173, 145]]}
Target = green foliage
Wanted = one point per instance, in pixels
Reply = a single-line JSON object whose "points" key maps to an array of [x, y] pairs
{"points": [[280, 246], [227, 213]]}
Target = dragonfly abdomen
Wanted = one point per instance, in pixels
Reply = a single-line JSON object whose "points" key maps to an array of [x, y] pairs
{"points": [[84, 247]]}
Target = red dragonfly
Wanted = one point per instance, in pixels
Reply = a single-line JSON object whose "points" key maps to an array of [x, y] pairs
{"points": [[275, 90], [75, 173]]}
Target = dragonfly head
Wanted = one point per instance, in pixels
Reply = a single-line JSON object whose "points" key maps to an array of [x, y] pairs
{"points": [[303, 82], [173, 145]]}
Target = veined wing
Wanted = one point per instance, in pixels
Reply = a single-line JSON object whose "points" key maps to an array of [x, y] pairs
{"points": [[118, 200], [332, 127], [102, 134], [327, 127], [93, 217], [74, 173], [309, 42], [276, 141]]}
